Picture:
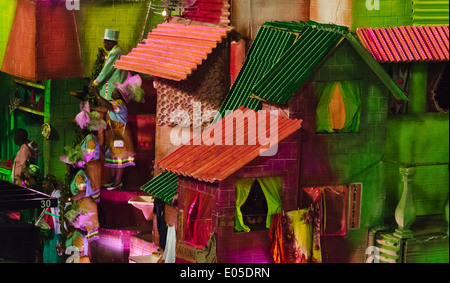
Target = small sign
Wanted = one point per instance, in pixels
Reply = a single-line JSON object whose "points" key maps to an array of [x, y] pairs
{"points": [[354, 215]]}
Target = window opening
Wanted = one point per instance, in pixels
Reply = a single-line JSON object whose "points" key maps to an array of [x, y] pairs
{"points": [[254, 210], [438, 91]]}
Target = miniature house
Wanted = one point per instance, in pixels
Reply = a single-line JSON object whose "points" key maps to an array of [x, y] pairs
{"points": [[339, 157], [208, 176]]}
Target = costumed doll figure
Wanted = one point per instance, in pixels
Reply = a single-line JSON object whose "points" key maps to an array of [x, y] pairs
{"points": [[77, 244], [120, 149], [28, 152], [90, 123], [109, 75], [83, 196]]}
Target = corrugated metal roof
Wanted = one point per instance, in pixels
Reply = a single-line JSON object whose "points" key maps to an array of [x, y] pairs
{"points": [[214, 162], [430, 12], [297, 63], [282, 58], [407, 43], [164, 186], [269, 45], [210, 11], [173, 51]]}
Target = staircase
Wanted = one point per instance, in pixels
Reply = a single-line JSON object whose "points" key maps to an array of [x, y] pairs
{"points": [[389, 247]]}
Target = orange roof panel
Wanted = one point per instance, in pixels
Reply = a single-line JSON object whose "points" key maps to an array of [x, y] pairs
{"points": [[173, 51], [229, 144]]}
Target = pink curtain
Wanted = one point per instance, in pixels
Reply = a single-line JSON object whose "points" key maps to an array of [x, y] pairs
{"points": [[197, 226]]}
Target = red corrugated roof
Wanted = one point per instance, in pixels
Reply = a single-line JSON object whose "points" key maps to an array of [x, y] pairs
{"points": [[210, 11], [173, 51], [407, 43], [214, 162]]}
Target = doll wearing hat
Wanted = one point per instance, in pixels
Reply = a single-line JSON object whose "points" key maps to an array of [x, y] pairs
{"points": [[109, 75], [120, 150]]}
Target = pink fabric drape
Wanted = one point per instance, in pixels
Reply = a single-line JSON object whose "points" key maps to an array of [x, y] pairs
{"points": [[197, 219]]}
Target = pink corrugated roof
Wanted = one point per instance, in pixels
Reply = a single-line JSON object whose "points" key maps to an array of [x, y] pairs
{"points": [[406, 43], [210, 11], [172, 50], [216, 162]]}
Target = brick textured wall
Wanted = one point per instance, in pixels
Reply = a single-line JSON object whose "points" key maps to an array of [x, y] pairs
{"points": [[20, 54], [240, 246], [254, 246], [43, 42], [58, 52]]}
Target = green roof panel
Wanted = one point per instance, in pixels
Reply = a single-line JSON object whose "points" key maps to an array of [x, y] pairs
{"points": [[269, 45], [296, 65], [164, 186]]}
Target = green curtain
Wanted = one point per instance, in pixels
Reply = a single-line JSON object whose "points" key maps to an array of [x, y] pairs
{"points": [[350, 91], [243, 187], [324, 94], [271, 188]]}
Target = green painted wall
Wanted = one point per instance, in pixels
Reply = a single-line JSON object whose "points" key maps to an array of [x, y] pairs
{"points": [[19, 119], [126, 17], [355, 157], [390, 13], [7, 12], [419, 140], [7, 146], [63, 109]]}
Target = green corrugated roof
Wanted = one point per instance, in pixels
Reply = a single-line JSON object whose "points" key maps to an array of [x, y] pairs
{"points": [[164, 186], [297, 64], [269, 45]]}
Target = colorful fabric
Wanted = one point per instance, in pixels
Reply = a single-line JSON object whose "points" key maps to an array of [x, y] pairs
{"points": [[119, 157], [89, 219], [296, 236], [90, 147]]}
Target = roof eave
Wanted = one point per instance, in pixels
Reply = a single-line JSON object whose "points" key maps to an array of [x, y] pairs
{"points": [[375, 67]]}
